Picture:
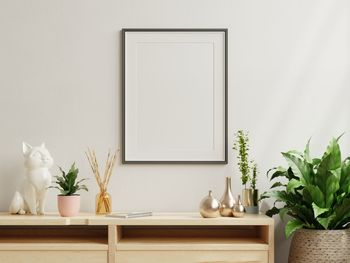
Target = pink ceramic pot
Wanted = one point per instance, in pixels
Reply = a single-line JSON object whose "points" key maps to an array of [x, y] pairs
{"points": [[68, 205]]}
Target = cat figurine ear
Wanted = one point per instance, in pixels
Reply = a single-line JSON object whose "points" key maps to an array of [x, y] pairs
{"points": [[26, 148], [43, 145]]}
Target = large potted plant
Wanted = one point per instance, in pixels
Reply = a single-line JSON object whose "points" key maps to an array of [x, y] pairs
{"points": [[315, 196], [68, 200]]}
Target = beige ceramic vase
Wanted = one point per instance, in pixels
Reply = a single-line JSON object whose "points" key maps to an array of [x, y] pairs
{"points": [[68, 205]]}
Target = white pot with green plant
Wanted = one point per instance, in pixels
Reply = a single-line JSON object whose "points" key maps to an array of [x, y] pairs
{"points": [[313, 196], [249, 194], [68, 200]]}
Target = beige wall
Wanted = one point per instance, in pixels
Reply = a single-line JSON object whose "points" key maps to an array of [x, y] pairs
{"points": [[60, 71]]}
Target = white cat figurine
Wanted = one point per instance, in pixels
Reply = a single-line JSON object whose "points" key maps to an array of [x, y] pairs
{"points": [[30, 198]]}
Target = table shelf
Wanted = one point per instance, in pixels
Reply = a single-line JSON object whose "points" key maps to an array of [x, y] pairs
{"points": [[164, 237]]}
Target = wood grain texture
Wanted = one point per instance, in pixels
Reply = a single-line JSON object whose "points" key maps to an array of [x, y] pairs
{"points": [[112, 241], [56, 245], [188, 244], [271, 243], [267, 235], [192, 257], [157, 219], [174, 237], [53, 257]]}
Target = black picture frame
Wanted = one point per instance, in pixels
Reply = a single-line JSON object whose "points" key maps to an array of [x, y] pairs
{"points": [[124, 31]]}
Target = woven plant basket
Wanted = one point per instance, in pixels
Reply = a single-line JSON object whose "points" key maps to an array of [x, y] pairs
{"points": [[320, 246]]}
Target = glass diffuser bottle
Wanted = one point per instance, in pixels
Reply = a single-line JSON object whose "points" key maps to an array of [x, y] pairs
{"points": [[103, 203], [103, 198]]}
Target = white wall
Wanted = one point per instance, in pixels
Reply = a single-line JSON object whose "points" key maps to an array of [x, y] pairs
{"points": [[60, 82]]}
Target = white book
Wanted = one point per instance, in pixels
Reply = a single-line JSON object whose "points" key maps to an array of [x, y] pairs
{"points": [[130, 214]]}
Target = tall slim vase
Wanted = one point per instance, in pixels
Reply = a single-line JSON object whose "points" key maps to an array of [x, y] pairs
{"points": [[247, 197], [227, 201], [251, 201]]}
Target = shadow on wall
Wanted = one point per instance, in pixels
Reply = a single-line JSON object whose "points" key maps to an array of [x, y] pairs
{"points": [[11, 176], [281, 243]]}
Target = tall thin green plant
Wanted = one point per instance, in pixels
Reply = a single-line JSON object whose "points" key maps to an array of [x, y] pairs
{"points": [[241, 145], [254, 176]]}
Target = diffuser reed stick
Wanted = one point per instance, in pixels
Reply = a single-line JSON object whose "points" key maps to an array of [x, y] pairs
{"points": [[103, 199]]}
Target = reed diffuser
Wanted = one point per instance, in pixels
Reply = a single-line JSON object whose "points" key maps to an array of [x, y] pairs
{"points": [[103, 198]]}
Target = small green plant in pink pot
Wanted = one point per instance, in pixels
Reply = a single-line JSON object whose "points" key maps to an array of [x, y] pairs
{"points": [[68, 200]]}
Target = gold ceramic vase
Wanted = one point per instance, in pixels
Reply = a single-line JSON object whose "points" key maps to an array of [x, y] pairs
{"points": [[251, 201], [209, 206], [227, 201], [247, 197], [238, 209], [103, 203]]}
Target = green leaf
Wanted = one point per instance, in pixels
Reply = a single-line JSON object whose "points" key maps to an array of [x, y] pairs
{"points": [[290, 174], [303, 213], [318, 210], [83, 187], [296, 153], [328, 179], [312, 193], [279, 195], [300, 168], [341, 135], [332, 186], [316, 161], [345, 177], [279, 172], [283, 196], [273, 211], [264, 195], [293, 184], [325, 221], [292, 226], [277, 184], [333, 161], [307, 152], [64, 192], [342, 213], [63, 173], [82, 180]]}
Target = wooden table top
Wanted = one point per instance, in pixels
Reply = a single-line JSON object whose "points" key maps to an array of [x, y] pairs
{"points": [[157, 219]]}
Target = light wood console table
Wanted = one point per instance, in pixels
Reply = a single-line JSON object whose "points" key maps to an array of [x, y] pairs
{"points": [[164, 237]]}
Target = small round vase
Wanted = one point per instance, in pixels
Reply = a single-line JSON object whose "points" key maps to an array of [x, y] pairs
{"points": [[68, 205], [209, 206], [238, 209], [227, 201]]}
